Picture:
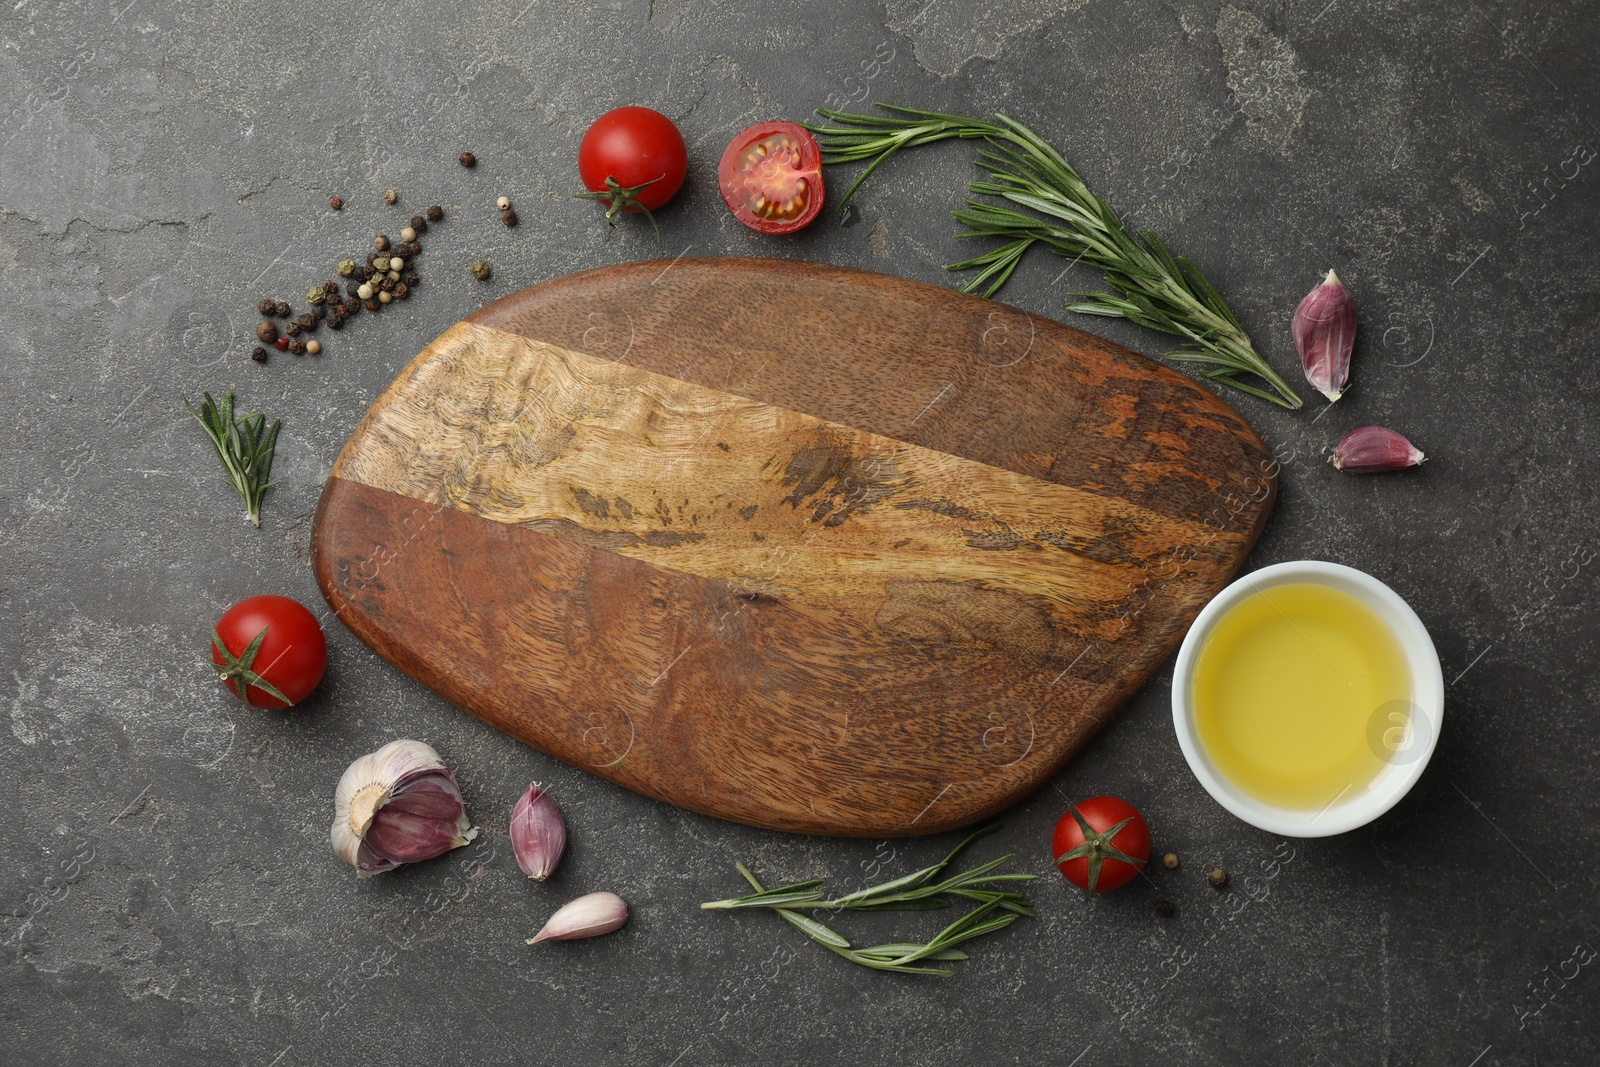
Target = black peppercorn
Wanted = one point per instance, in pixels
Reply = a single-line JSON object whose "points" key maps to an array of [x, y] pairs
{"points": [[266, 332], [352, 305], [509, 216], [387, 285], [435, 213], [371, 304], [259, 354], [282, 309], [292, 328], [336, 322], [410, 278], [307, 321], [297, 348], [381, 242], [267, 305], [1164, 907], [419, 224], [401, 291], [351, 288], [467, 159]]}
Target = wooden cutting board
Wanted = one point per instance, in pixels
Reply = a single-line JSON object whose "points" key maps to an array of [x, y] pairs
{"points": [[804, 547]]}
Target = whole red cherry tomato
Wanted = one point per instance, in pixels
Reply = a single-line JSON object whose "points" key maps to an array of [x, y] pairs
{"points": [[632, 159], [1101, 844], [771, 177], [273, 648]]}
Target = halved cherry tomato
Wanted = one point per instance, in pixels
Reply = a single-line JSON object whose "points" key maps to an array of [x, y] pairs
{"points": [[771, 177], [270, 651], [1101, 844]]}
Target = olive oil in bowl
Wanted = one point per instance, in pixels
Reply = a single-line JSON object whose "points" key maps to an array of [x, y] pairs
{"points": [[1285, 689]]}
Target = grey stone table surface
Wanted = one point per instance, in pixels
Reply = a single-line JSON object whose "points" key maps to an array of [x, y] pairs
{"points": [[168, 895]]}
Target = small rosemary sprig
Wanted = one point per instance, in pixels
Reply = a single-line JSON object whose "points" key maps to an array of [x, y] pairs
{"points": [[917, 891], [245, 445], [1150, 286]]}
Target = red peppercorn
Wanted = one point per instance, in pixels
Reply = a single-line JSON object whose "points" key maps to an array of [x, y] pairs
{"points": [[281, 344], [335, 203]]}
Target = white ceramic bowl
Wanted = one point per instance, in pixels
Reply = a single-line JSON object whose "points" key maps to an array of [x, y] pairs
{"points": [[1409, 748]]}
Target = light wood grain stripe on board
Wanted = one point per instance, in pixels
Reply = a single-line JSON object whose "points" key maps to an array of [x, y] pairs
{"points": [[776, 501]]}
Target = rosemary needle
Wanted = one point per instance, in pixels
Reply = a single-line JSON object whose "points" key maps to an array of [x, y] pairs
{"points": [[244, 445], [1032, 196]]}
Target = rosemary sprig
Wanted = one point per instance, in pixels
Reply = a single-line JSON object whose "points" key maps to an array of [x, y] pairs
{"points": [[917, 891], [1149, 285], [244, 445]]}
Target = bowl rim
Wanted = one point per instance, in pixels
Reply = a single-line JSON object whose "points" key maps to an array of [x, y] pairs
{"points": [[1427, 698]]}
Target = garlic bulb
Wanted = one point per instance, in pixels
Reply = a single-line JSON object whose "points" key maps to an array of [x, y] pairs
{"points": [[397, 805], [588, 916], [538, 833]]}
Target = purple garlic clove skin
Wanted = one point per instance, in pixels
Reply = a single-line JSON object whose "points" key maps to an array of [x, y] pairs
{"points": [[397, 805], [538, 833], [1373, 450], [1324, 333], [588, 916]]}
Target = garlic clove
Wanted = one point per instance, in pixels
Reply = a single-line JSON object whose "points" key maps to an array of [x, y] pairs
{"points": [[538, 833], [397, 805], [588, 916], [1375, 449], [1324, 330]]}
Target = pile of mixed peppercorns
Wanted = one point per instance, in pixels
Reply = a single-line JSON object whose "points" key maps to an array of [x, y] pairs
{"points": [[388, 274]]}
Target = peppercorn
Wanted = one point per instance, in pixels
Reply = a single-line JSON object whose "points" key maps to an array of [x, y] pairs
{"points": [[401, 291], [408, 234], [352, 306], [413, 248], [370, 304], [419, 224], [335, 203], [386, 286], [1217, 877], [307, 321], [381, 242], [336, 322], [292, 328], [282, 309], [381, 264], [1164, 907], [266, 331], [297, 348], [509, 216], [281, 344], [316, 294], [258, 354], [365, 291], [1170, 861], [267, 305], [314, 347], [481, 270], [410, 278], [435, 213], [396, 263], [467, 159], [385, 296], [390, 196]]}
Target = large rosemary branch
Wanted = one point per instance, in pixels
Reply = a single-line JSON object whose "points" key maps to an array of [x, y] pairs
{"points": [[917, 891], [244, 445], [1149, 285]]}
